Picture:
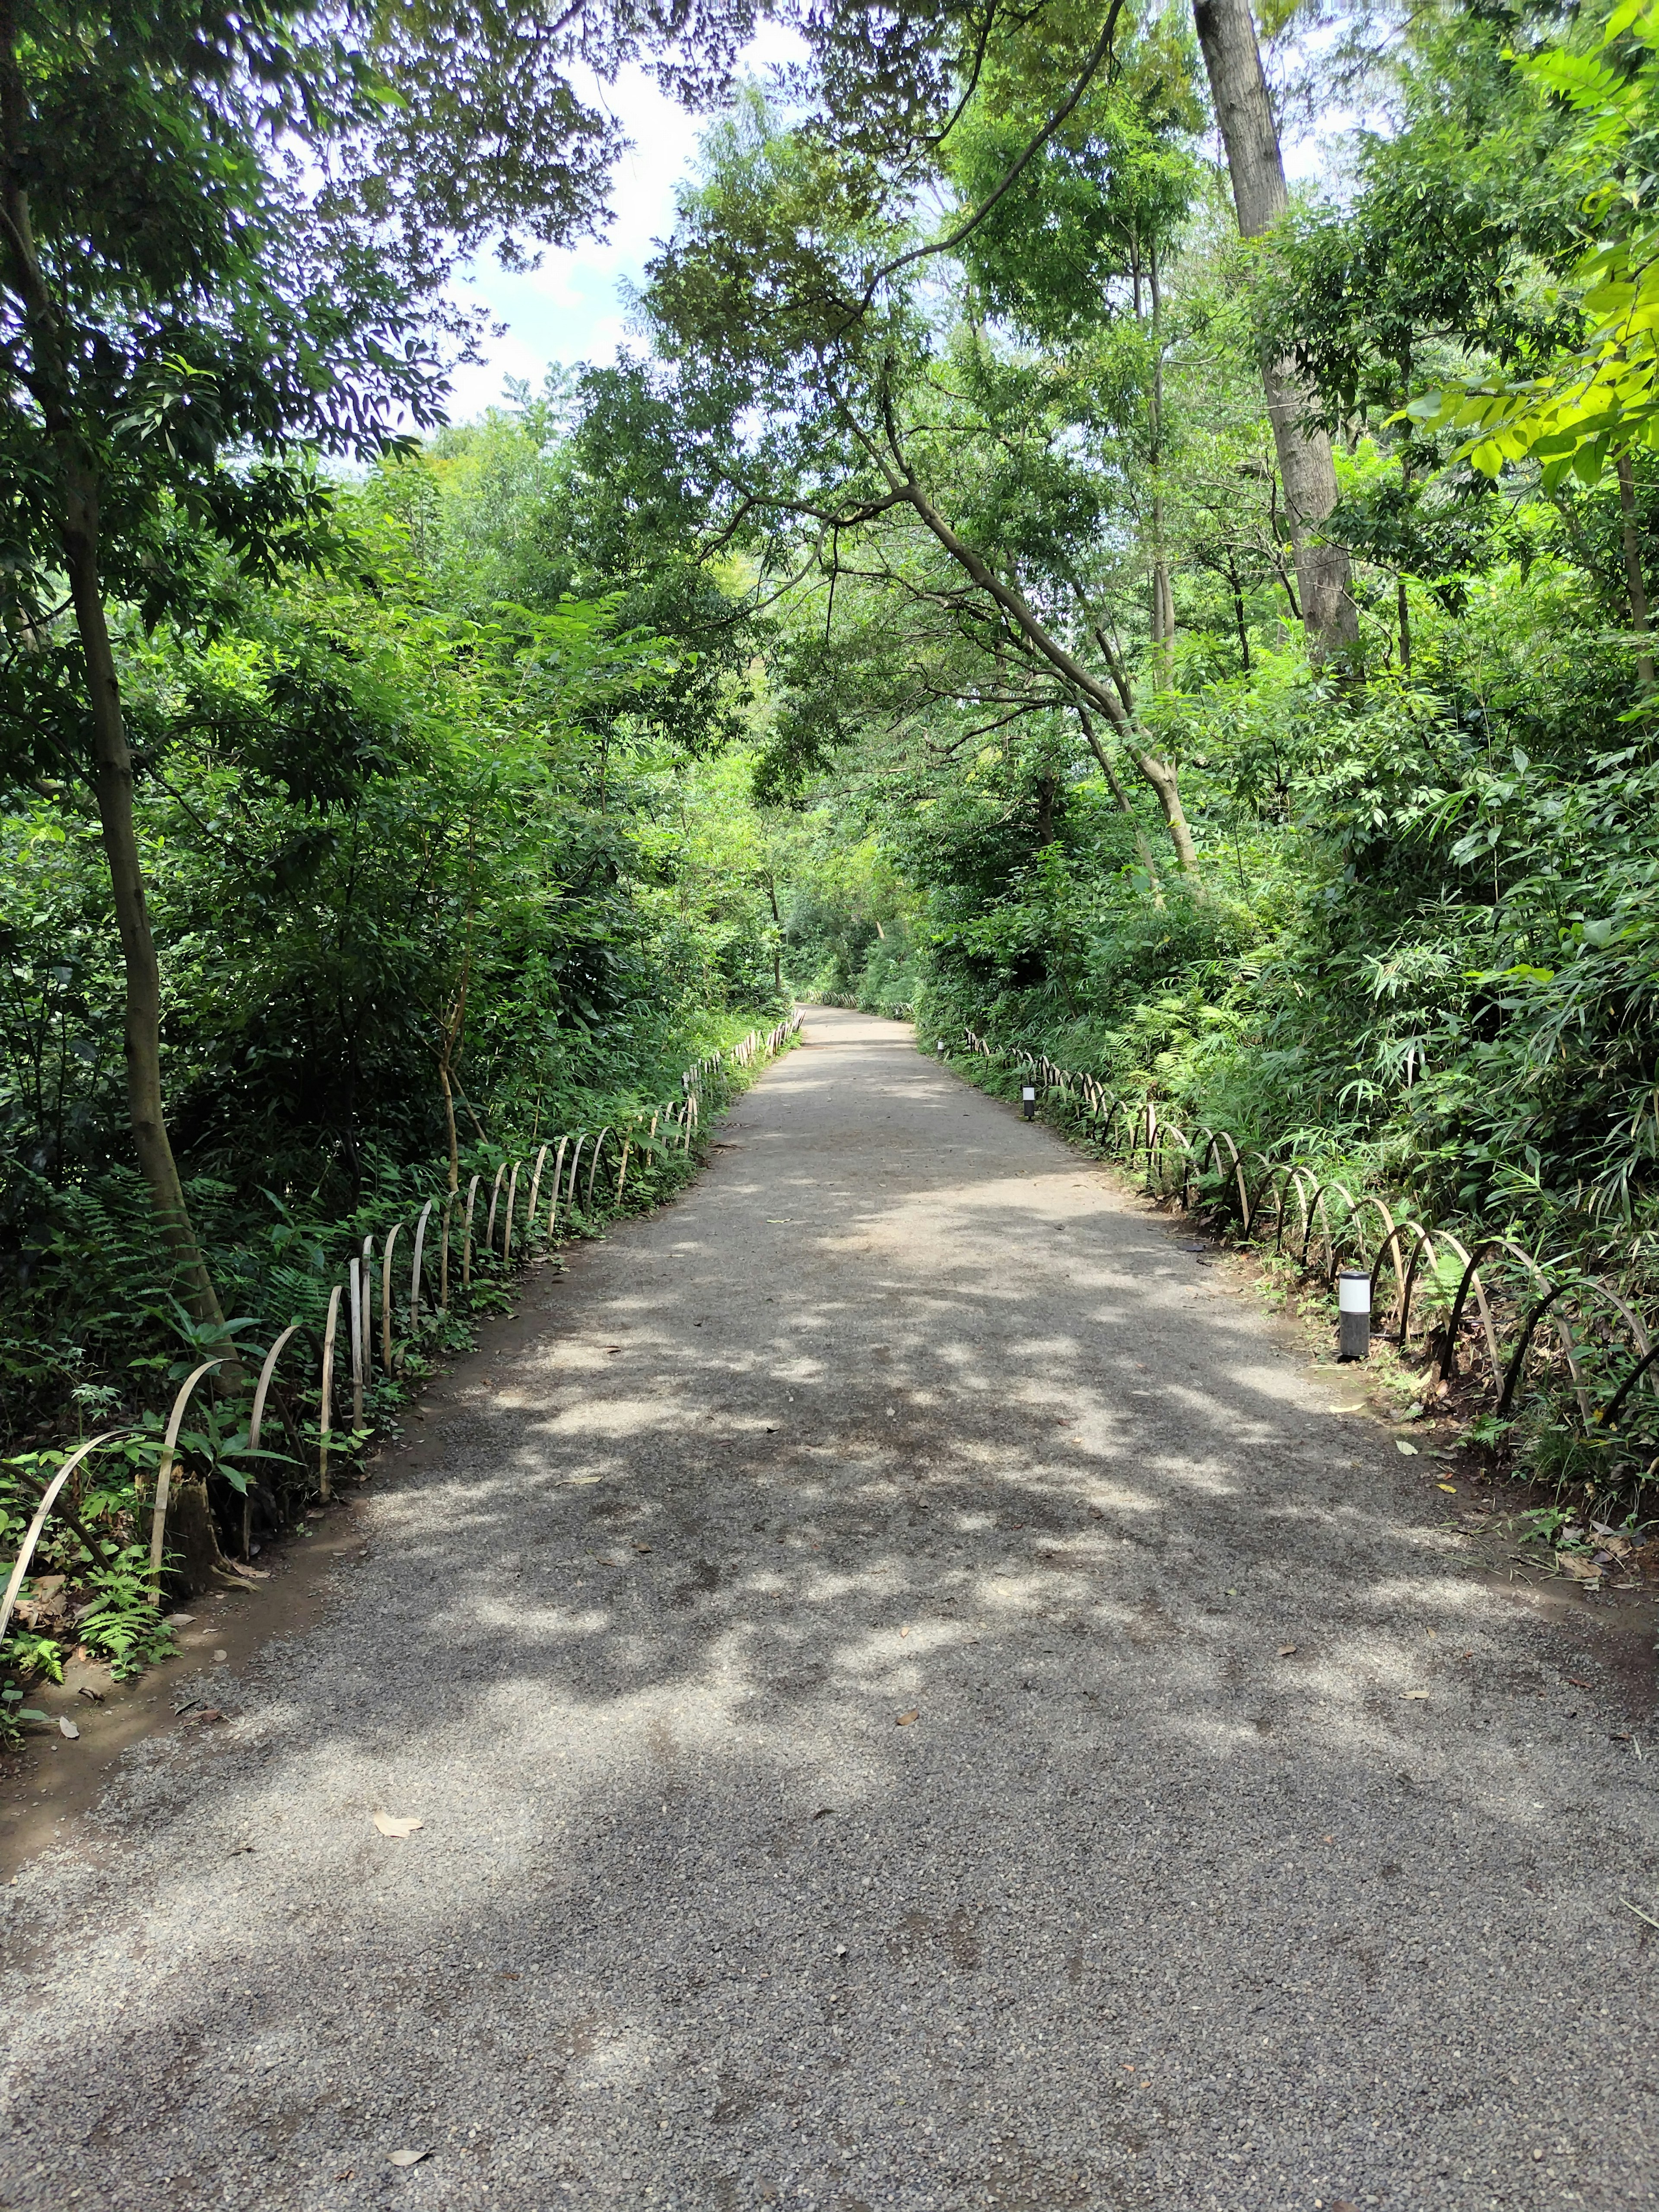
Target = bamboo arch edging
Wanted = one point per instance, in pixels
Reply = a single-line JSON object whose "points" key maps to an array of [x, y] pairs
{"points": [[512, 1199], [415, 1267], [494, 1197], [325, 1409], [466, 1233], [535, 1192], [393, 1234], [158, 1519], [257, 1417], [1314, 1211], [592, 1168], [49, 1499]]}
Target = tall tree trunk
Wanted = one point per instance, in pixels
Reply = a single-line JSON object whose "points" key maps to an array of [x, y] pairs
{"points": [[1226, 31], [1030, 626], [1635, 582], [46, 372], [111, 784], [1163, 599]]}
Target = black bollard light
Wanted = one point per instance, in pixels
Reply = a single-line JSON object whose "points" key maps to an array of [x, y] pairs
{"points": [[1353, 1305], [1028, 1101]]}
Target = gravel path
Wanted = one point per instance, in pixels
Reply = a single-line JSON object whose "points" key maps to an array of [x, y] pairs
{"points": [[839, 1668]]}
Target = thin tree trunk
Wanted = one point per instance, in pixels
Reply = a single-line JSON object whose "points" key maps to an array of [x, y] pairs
{"points": [[111, 784], [1226, 31], [1402, 609], [1635, 582], [1162, 599], [48, 380], [1157, 772]]}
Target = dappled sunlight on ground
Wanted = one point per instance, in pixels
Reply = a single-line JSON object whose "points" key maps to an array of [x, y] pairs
{"points": [[900, 1646]]}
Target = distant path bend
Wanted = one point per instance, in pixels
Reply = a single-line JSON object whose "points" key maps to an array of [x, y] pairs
{"points": [[915, 1698]]}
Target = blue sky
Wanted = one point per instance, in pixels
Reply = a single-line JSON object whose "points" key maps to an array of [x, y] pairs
{"points": [[569, 310]]}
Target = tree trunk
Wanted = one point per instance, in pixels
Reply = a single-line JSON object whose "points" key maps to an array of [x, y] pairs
{"points": [[1635, 581], [112, 783], [47, 375], [1226, 31], [1157, 772]]}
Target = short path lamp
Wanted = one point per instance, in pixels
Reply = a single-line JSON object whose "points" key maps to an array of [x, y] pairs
{"points": [[1028, 1101], [940, 1047], [1353, 1305]]}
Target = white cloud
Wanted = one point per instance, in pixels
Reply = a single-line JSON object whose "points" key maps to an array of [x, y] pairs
{"points": [[570, 308]]}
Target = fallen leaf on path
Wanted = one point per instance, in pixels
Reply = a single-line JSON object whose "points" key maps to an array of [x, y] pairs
{"points": [[905, 1719], [68, 1728], [1400, 1445], [389, 1827], [1581, 1570], [181, 1619], [1286, 1650], [407, 2157], [1637, 1911], [641, 1547], [205, 1719], [904, 1632], [1451, 1486], [1414, 1693], [86, 1690], [249, 1574], [823, 1812], [1577, 1683]]}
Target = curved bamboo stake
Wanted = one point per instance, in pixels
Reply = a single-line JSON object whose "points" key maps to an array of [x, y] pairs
{"points": [[256, 1421], [1605, 1418], [1405, 1271], [1357, 1207], [575, 1163], [1447, 1364], [593, 1164], [1216, 1137], [1512, 1373], [1470, 1277], [512, 1199], [1269, 1170], [535, 1190], [495, 1198], [421, 1219], [443, 1253], [31, 1537], [1316, 1211], [158, 1519], [354, 1276], [558, 1171], [369, 1306], [1299, 1177], [393, 1234], [326, 1411], [466, 1234]]}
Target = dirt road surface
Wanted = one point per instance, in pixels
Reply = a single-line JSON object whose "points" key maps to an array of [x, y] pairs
{"points": [[915, 1697]]}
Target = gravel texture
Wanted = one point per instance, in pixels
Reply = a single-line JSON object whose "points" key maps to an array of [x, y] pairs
{"points": [[839, 1667]]}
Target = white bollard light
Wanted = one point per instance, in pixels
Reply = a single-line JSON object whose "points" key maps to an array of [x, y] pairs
{"points": [[940, 1047], [1028, 1101], [1353, 1305]]}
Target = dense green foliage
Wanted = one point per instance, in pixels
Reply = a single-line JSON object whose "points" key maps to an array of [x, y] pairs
{"points": [[913, 621], [409, 819]]}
